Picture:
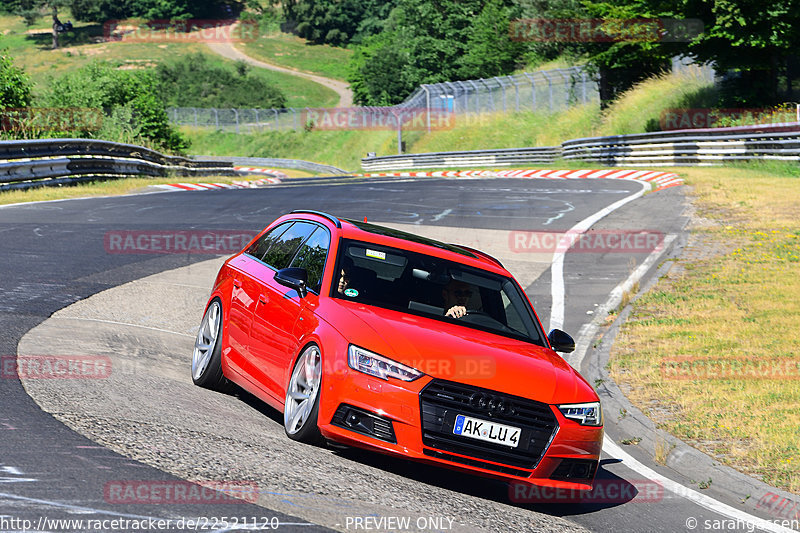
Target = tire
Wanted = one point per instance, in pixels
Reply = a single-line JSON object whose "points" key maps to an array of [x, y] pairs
{"points": [[207, 354], [301, 409]]}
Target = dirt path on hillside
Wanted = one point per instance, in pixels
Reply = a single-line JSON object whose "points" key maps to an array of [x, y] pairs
{"points": [[229, 51]]}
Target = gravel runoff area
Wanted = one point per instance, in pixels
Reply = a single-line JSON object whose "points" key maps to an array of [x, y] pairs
{"points": [[149, 410]]}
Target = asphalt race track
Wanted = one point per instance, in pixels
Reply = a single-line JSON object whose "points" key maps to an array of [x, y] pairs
{"points": [[149, 424]]}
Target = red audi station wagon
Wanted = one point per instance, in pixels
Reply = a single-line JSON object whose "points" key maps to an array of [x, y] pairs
{"points": [[377, 338]]}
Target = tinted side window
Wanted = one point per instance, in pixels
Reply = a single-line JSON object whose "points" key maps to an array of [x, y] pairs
{"points": [[282, 251], [311, 256], [259, 248]]}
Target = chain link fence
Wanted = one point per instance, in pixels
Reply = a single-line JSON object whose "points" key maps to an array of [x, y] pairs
{"points": [[551, 90]]}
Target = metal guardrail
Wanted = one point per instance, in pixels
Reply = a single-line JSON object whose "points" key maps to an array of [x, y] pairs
{"points": [[49, 162], [499, 158], [297, 164], [711, 146]]}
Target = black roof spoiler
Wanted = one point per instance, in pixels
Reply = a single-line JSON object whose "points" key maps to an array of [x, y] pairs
{"points": [[332, 218]]}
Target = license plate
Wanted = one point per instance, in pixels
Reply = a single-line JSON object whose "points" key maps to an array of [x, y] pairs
{"points": [[475, 428]]}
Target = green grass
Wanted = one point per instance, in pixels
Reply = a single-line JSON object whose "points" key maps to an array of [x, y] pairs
{"points": [[290, 51], [736, 290], [32, 52], [343, 149], [632, 113]]}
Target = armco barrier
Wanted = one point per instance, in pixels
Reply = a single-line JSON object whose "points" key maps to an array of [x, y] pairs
{"points": [[712, 146], [50, 162], [475, 158]]}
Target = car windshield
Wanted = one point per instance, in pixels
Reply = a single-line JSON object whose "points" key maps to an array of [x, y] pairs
{"points": [[432, 287]]}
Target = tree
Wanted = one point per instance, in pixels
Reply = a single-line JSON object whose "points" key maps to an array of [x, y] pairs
{"points": [[32, 10], [337, 22], [431, 42]]}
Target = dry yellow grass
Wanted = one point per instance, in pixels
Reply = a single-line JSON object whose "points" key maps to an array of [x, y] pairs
{"points": [[728, 309]]}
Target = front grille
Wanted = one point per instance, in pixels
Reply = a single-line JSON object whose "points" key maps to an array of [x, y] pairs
{"points": [[441, 401]]}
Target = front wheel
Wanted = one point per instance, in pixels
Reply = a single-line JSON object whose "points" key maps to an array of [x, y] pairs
{"points": [[302, 398], [207, 354]]}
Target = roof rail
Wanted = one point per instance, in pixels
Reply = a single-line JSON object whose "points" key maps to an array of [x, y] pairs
{"points": [[319, 213]]}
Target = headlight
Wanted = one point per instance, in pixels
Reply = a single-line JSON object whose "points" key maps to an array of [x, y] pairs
{"points": [[585, 414], [379, 366]]}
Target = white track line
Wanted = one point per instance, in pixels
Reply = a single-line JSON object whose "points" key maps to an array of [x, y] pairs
{"points": [[557, 269]]}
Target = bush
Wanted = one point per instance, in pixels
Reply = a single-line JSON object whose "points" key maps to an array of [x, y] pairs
{"points": [[15, 85], [100, 85], [194, 81]]}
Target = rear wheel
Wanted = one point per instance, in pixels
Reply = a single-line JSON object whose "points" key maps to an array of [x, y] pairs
{"points": [[207, 354], [302, 398]]}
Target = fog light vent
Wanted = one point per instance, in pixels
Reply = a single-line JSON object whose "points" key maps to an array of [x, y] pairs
{"points": [[364, 422]]}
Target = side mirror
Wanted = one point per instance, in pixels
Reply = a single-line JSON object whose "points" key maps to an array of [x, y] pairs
{"points": [[295, 278], [561, 341]]}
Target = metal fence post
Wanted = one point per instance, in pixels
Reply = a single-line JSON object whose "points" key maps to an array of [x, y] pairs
{"points": [[516, 93], [216, 117], [502, 88], [427, 105], [195, 116], [583, 87], [533, 91], [549, 87]]}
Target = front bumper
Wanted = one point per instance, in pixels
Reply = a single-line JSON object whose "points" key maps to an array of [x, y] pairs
{"points": [[414, 420]]}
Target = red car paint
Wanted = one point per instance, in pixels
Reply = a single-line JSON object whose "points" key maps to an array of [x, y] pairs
{"points": [[266, 325]]}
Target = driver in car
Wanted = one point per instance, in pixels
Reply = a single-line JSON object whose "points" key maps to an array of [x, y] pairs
{"points": [[456, 296]]}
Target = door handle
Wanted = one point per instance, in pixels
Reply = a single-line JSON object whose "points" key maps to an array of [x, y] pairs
{"points": [[263, 298], [237, 283]]}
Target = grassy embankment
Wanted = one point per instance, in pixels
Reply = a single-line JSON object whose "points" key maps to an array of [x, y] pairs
{"points": [[634, 112], [30, 48], [712, 352], [290, 51]]}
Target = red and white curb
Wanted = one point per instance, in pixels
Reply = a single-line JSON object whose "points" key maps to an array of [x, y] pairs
{"points": [[213, 186], [661, 180]]}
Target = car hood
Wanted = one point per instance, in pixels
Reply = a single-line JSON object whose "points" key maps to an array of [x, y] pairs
{"points": [[465, 355]]}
